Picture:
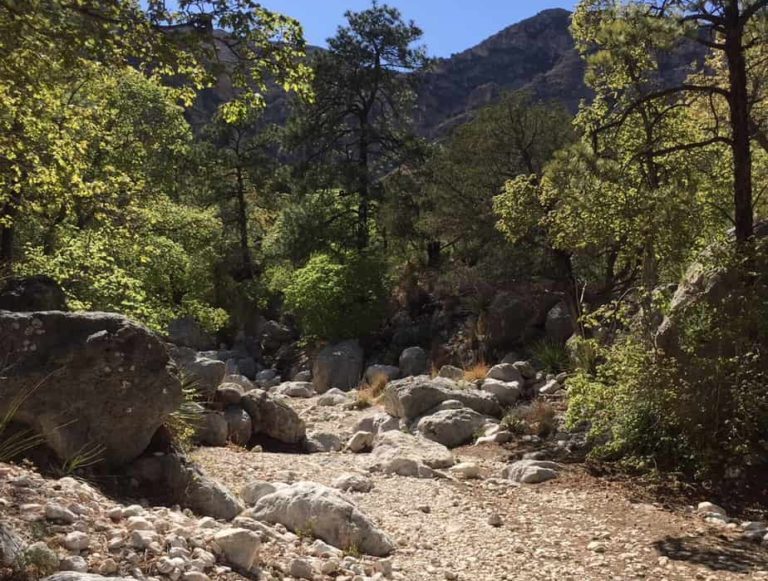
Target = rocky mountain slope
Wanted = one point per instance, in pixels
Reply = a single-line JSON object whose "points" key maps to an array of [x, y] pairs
{"points": [[536, 54]]}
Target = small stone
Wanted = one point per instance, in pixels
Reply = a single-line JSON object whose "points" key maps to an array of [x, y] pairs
{"points": [[74, 563], [596, 547], [108, 567], [710, 509], [240, 546], [301, 569], [426, 509], [495, 520], [76, 541], [195, 576], [56, 512]]}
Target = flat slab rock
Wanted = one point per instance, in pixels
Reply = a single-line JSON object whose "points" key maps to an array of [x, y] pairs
{"points": [[326, 514], [414, 396], [397, 445], [531, 471]]}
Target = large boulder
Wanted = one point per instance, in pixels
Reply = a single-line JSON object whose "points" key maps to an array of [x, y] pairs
{"points": [[413, 361], [506, 392], [173, 479], [273, 417], [86, 381], [239, 425], [339, 366], [393, 445], [187, 332], [326, 514], [204, 373], [559, 324], [33, 293], [452, 427], [274, 335], [212, 429], [414, 396], [505, 372]]}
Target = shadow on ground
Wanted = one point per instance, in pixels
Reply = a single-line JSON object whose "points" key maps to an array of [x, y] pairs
{"points": [[715, 552]]}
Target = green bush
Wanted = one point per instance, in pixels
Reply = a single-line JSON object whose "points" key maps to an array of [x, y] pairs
{"points": [[699, 405], [338, 298], [550, 356]]}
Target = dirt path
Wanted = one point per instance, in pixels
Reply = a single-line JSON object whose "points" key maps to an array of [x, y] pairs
{"points": [[576, 527]]}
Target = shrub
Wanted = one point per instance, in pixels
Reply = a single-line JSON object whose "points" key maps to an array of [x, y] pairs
{"points": [[698, 406], [338, 298], [477, 371], [550, 356], [536, 419]]}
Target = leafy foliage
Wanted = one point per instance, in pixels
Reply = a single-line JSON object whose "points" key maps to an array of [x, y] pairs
{"points": [[338, 298]]}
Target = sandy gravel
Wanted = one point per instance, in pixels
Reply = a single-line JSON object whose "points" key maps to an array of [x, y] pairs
{"points": [[576, 527]]}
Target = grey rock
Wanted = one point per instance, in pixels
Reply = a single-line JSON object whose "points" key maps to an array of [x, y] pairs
{"points": [[525, 368], [206, 373], [506, 372], [300, 389], [360, 442], [239, 425], [412, 397], [353, 483], [322, 442], [77, 576], [339, 366], [302, 376], [103, 380], [187, 332], [507, 393], [333, 397], [213, 429], [559, 325], [451, 372], [254, 490], [327, 514], [32, 293], [451, 428], [531, 471], [377, 424], [389, 371], [413, 361], [396, 444], [179, 481], [239, 546], [273, 417], [229, 393]]}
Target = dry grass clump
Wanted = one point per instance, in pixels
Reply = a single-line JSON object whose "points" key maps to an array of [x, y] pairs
{"points": [[370, 393], [536, 419], [477, 371]]}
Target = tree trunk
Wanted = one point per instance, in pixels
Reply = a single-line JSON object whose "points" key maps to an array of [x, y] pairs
{"points": [[7, 239], [738, 102], [242, 223], [570, 290], [363, 208]]}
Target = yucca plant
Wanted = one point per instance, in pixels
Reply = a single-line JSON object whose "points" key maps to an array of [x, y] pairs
{"points": [[185, 421], [15, 444]]}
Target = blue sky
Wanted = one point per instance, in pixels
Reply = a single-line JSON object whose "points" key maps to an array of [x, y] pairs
{"points": [[449, 26]]}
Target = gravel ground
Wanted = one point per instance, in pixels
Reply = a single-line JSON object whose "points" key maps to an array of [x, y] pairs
{"points": [[575, 527]]}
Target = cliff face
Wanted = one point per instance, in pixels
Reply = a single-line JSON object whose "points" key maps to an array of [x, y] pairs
{"points": [[536, 54]]}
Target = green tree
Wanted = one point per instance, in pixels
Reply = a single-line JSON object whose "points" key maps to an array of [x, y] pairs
{"points": [[47, 47], [358, 126], [731, 28]]}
